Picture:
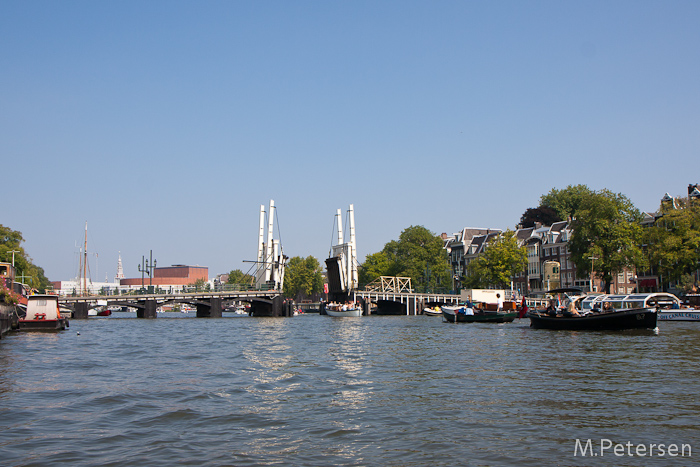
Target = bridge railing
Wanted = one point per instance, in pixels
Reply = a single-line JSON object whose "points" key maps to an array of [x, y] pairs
{"points": [[155, 290]]}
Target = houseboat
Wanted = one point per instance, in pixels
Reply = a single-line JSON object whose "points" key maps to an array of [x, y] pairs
{"points": [[42, 314]]}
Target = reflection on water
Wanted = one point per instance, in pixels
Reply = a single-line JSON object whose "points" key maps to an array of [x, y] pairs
{"points": [[311, 390]]}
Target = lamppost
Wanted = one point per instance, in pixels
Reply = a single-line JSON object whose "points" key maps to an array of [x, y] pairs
{"points": [[148, 266], [13, 256], [427, 277], [590, 287]]}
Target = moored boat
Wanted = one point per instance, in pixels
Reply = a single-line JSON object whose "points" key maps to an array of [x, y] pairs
{"points": [[99, 311], [434, 311], [42, 314]]}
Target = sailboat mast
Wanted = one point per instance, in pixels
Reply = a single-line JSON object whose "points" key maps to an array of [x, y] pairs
{"points": [[85, 263]]}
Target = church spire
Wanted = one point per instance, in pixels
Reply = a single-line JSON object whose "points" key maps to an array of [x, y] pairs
{"points": [[120, 269]]}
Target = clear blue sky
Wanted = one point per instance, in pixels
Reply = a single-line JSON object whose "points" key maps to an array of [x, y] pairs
{"points": [[166, 124]]}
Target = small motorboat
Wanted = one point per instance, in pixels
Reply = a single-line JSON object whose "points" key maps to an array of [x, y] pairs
{"points": [[340, 310], [605, 312], [435, 311], [464, 314], [42, 314]]}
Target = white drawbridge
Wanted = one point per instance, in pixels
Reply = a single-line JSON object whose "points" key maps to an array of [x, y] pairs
{"points": [[271, 260], [342, 261]]}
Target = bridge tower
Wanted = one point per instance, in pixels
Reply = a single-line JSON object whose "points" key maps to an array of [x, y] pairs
{"points": [[271, 260], [342, 261]]}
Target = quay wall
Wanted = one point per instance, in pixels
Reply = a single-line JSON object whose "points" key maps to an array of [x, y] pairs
{"points": [[6, 313]]}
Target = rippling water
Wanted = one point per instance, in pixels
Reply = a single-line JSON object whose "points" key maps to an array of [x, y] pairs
{"points": [[318, 391]]}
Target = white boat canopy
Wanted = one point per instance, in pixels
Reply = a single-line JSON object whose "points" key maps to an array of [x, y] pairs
{"points": [[638, 300]]}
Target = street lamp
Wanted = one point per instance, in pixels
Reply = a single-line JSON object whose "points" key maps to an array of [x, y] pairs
{"points": [[149, 265], [13, 256], [590, 285]]}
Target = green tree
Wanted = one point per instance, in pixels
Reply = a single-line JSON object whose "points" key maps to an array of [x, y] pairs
{"points": [[419, 254], [542, 214], [198, 285], [27, 271], [374, 266], [674, 242], [607, 228], [566, 202], [501, 260], [302, 277], [240, 278]]}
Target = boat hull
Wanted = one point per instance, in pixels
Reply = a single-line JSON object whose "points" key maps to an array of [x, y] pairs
{"points": [[486, 317], [43, 325], [644, 318], [679, 315]]}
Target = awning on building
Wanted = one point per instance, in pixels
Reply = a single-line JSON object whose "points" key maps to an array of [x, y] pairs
{"points": [[647, 282]]}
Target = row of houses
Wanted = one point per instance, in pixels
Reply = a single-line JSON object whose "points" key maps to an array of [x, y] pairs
{"points": [[549, 257]]}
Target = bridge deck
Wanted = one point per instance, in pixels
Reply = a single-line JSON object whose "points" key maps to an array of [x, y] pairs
{"points": [[414, 302], [241, 295]]}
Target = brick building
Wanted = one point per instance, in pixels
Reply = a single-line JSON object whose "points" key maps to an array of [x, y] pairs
{"points": [[177, 275]]}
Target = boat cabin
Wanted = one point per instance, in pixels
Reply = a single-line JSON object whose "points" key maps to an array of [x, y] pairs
{"points": [[42, 308]]}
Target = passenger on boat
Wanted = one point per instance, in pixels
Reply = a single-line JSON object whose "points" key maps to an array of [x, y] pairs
{"points": [[551, 309], [571, 310], [607, 307], [523, 309], [468, 302], [499, 302]]}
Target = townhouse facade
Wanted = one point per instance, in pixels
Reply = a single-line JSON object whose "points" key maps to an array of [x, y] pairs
{"points": [[549, 263], [464, 247], [651, 279]]}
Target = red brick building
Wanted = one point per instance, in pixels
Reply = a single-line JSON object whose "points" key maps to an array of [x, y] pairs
{"points": [[176, 275]]}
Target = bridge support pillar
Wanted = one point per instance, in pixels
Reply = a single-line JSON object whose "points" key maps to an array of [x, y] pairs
{"points": [[148, 311], [366, 306], [278, 306], [216, 308], [211, 310], [81, 310]]}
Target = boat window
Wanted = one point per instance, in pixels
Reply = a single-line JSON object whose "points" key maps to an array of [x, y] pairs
{"points": [[638, 296], [40, 302], [633, 304]]}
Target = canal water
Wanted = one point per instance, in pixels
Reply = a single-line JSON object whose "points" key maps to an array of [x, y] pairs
{"points": [[319, 391]]}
